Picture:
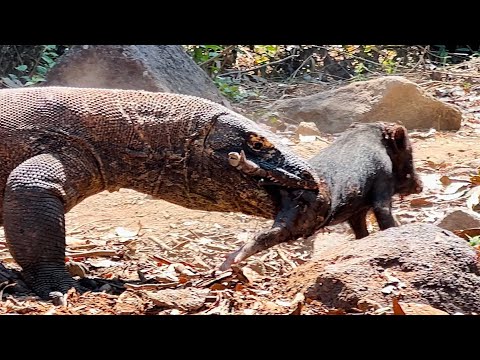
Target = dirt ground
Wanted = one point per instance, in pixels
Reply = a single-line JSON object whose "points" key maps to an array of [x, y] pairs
{"points": [[127, 236]]}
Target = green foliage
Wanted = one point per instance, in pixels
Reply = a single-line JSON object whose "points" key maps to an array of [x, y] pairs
{"points": [[318, 62], [474, 240], [442, 54], [26, 75], [265, 53], [202, 53], [232, 90]]}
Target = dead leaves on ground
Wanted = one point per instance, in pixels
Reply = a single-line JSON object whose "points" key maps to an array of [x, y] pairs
{"points": [[445, 185]]}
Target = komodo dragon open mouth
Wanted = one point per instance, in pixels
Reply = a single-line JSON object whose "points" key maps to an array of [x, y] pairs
{"points": [[303, 208], [277, 176]]}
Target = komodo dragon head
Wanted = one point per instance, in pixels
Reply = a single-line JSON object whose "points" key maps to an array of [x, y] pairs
{"points": [[255, 174]]}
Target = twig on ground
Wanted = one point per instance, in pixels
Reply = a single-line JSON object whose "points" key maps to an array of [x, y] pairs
{"points": [[94, 253], [194, 234], [159, 244], [151, 286]]}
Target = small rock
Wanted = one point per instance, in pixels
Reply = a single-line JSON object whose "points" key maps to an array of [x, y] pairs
{"points": [[190, 299], [460, 219], [307, 128], [388, 289]]}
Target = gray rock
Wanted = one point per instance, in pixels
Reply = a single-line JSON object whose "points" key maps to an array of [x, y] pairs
{"points": [[307, 128], [460, 219], [165, 68], [389, 98], [421, 263]]}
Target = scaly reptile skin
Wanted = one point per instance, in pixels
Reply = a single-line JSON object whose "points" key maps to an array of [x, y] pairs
{"points": [[60, 145]]}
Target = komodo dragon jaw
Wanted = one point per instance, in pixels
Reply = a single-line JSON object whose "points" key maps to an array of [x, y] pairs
{"points": [[259, 155], [276, 176]]}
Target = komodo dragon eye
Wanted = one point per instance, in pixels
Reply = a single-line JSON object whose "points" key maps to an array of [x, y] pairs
{"points": [[257, 142]]}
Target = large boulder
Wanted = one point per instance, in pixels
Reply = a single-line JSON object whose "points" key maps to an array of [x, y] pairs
{"points": [[389, 98], [419, 263], [165, 68]]}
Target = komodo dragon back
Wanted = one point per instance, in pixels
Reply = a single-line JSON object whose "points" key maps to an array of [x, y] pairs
{"points": [[61, 145]]}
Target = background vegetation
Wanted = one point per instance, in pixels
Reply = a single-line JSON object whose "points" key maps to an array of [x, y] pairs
{"points": [[228, 65]]}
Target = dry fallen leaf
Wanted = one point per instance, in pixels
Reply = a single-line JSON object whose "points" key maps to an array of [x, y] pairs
{"points": [[250, 274], [445, 180], [455, 187], [420, 309], [417, 202], [475, 179], [454, 196], [218, 286], [466, 233], [437, 166], [474, 199], [397, 309]]}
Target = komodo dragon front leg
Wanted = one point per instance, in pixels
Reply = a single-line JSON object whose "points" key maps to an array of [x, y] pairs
{"points": [[38, 193]]}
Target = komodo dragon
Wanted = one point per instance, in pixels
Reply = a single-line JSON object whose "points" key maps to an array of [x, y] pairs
{"points": [[60, 145]]}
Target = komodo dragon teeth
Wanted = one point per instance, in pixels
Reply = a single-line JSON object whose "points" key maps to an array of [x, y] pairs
{"points": [[280, 176], [60, 145]]}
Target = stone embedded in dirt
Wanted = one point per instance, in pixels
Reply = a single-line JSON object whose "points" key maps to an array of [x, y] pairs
{"points": [[419, 263], [388, 98], [307, 128], [190, 299], [165, 68], [460, 219]]}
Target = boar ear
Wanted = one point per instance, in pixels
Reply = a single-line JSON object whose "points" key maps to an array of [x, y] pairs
{"points": [[400, 138]]}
